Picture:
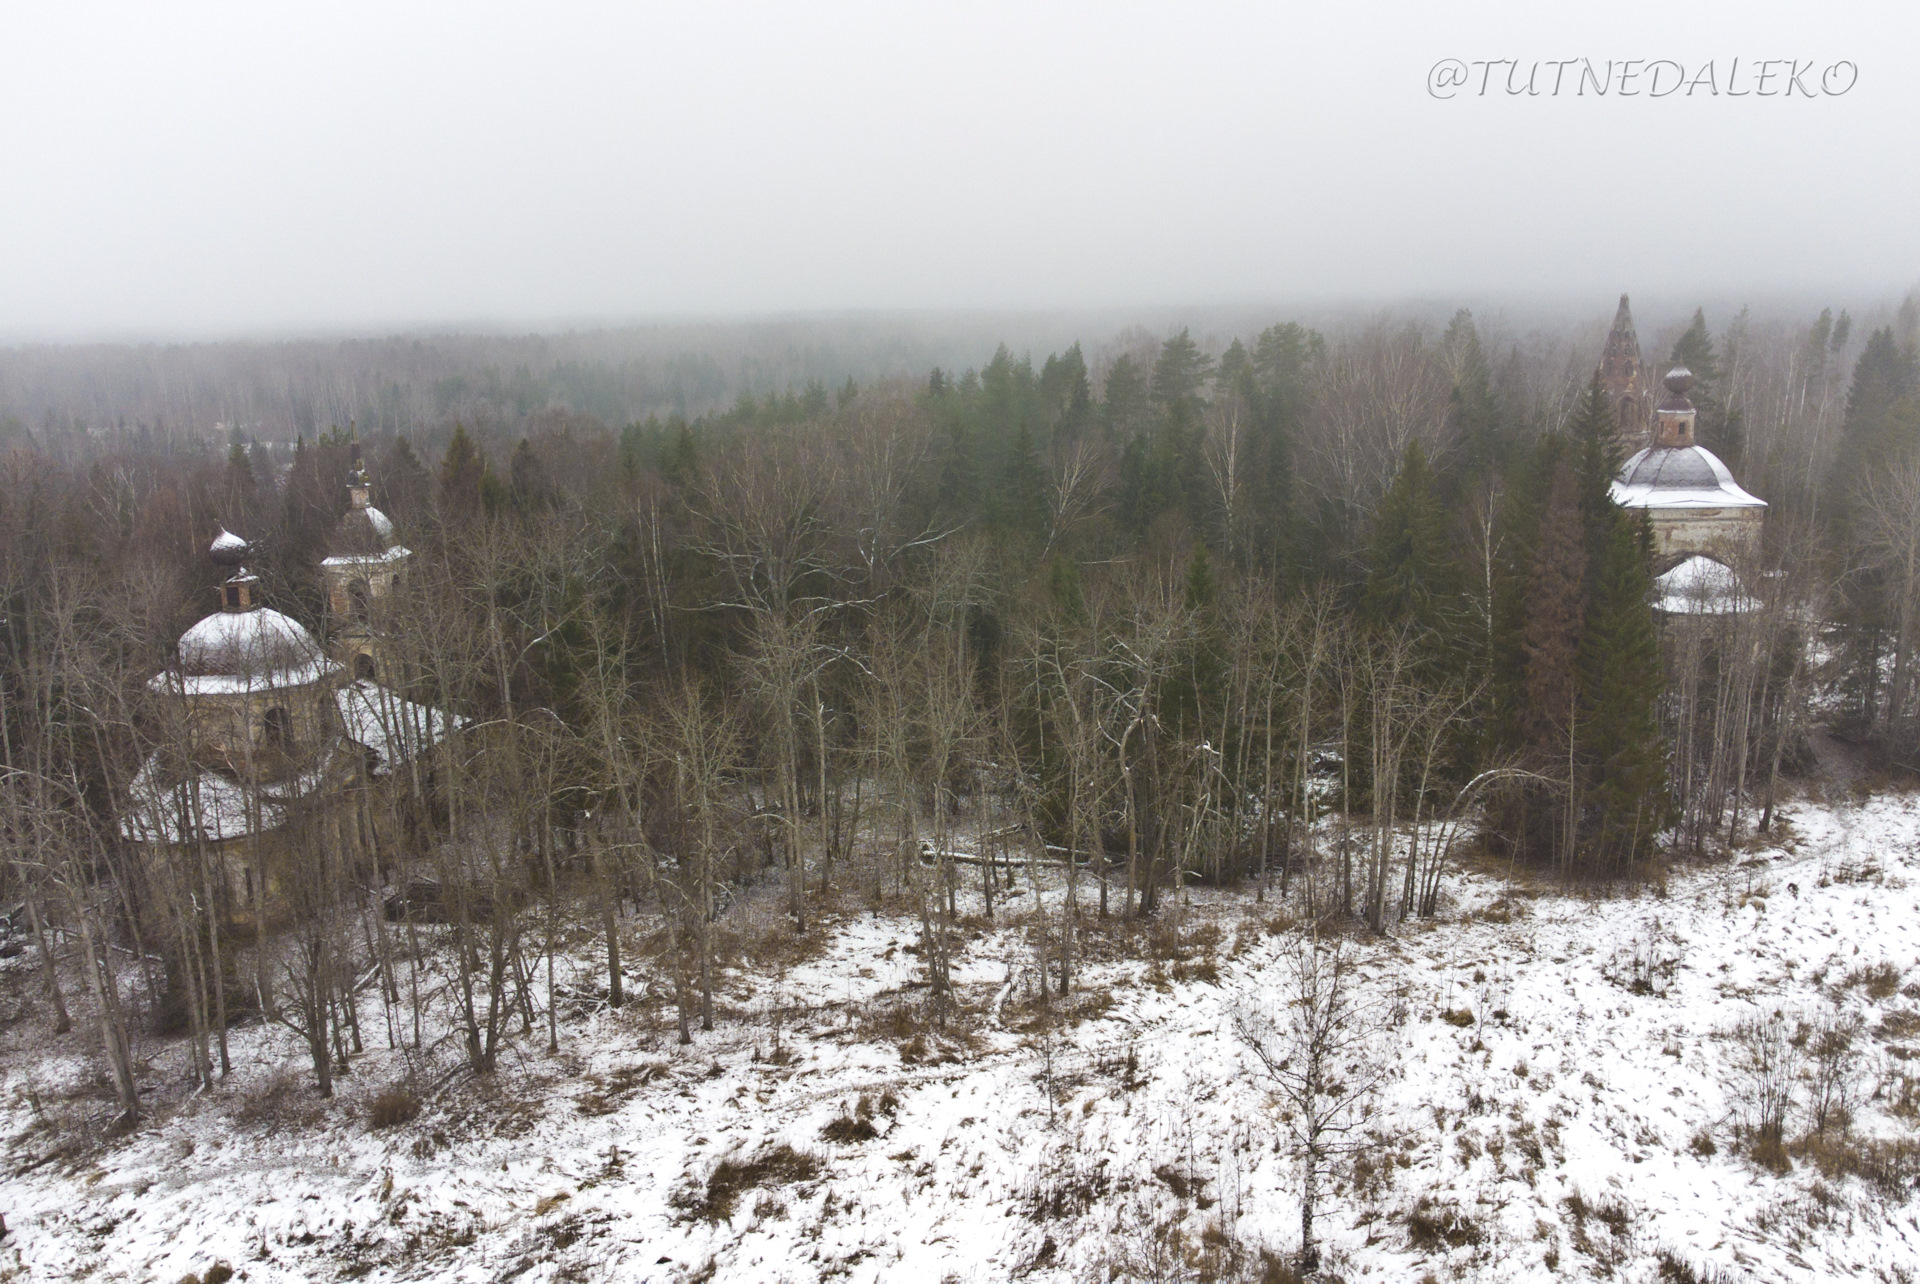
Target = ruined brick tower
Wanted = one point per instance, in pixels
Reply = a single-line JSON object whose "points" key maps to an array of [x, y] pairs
{"points": [[1624, 379]]}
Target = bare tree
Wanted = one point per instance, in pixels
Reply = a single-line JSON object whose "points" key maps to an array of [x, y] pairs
{"points": [[1325, 1053]]}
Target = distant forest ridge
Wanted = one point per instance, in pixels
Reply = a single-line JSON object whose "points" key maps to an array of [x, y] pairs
{"points": [[181, 394]]}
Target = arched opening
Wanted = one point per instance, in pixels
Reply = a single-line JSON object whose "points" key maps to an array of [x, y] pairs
{"points": [[357, 600], [276, 728], [363, 667]]}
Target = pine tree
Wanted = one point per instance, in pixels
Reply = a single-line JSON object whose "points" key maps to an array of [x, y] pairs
{"points": [[959, 472], [1871, 436], [1275, 387], [1472, 411], [462, 469], [1555, 613], [402, 481], [527, 479], [682, 460], [1124, 399], [1712, 428], [1879, 430], [240, 491], [1623, 756], [1067, 393], [1022, 500], [1412, 577]]}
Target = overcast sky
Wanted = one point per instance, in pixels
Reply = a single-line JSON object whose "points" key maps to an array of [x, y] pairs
{"points": [[183, 169]]}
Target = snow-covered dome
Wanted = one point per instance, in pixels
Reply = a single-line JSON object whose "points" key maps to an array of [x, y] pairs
{"points": [[228, 549], [1679, 477], [1701, 586], [260, 647], [363, 531]]}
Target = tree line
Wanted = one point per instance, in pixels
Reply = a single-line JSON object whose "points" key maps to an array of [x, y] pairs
{"points": [[1311, 614]]}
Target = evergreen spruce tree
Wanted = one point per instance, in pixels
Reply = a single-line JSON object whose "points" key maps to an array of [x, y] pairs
{"points": [[959, 472], [1622, 674], [1881, 428], [402, 482], [1712, 427], [461, 471], [1022, 499], [682, 460], [1123, 400], [1554, 615], [1412, 577], [528, 480]]}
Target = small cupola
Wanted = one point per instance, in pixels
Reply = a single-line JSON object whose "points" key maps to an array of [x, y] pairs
{"points": [[1673, 418], [240, 590], [359, 492]]}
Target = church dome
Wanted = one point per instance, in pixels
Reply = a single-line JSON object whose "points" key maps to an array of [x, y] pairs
{"points": [[257, 648], [364, 531], [1679, 477]]}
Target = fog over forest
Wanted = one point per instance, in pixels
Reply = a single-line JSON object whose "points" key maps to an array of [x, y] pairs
{"points": [[422, 381], [717, 643]]}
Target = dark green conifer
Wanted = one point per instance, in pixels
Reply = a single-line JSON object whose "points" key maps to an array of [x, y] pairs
{"points": [[461, 470]]}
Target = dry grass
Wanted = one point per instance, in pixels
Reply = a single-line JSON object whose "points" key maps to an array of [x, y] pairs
{"points": [[852, 1129], [1610, 1217], [714, 1201], [1435, 1228], [1881, 981], [1891, 1167], [609, 1092]]}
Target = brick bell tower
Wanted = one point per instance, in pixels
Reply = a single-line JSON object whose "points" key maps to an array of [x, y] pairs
{"points": [[1624, 378]]}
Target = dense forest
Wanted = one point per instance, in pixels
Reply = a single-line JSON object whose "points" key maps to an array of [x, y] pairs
{"points": [[1314, 614]]}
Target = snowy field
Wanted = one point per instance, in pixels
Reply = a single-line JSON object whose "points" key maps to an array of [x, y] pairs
{"points": [[1562, 1106]]}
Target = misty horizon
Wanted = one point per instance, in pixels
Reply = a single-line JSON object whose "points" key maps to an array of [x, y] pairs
{"points": [[178, 177]]}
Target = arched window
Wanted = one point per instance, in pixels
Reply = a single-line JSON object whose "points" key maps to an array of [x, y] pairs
{"points": [[357, 600], [276, 728], [363, 667]]}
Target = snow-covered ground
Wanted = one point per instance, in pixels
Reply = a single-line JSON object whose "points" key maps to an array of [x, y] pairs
{"points": [[1564, 1122]]}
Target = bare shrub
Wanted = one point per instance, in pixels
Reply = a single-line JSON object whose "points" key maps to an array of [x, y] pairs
{"points": [[1763, 1070], [394, 1106], [1834, 1072], [1063, 1185], [281, 1100], [1645, 964]]}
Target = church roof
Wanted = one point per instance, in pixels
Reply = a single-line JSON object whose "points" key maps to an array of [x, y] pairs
{"points": [[395, 728], [1679, 477], [1701, 586], [364, 531], [172, 799], [1622, 342], [239, 651]]}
